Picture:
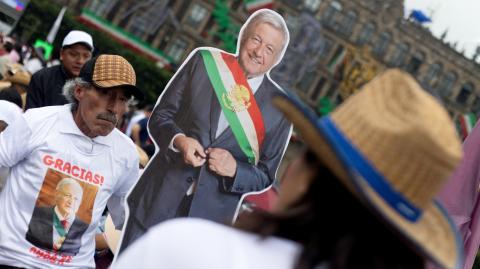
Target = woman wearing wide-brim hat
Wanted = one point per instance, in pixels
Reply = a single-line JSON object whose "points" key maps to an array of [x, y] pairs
{"points": [[360, 197]]}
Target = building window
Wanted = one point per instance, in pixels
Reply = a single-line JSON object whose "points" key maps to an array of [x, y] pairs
{"points": [[381, 44], [318, 89], [102, 7], [326, 48], [464, 94], [196, 16], [312, 5], [332, 12], [366, 33], [306, 81], [177, 49], [445, 85], [415, 63], [348, 23], [432, 74], [148, 21], [399, 55]]}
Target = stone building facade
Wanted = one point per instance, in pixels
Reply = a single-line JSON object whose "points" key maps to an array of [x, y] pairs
{"points": [[336, 45]]}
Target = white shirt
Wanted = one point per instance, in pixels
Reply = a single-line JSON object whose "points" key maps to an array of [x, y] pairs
{"points": [[201, 244], [10, 112], [42, 147]]}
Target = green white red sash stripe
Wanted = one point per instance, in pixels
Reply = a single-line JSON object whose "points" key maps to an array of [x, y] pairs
{"points": [[247, 125], [467, 122]]}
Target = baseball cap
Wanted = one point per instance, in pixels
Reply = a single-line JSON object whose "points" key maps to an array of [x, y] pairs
{"points": [[75, 36], [108, 71]]}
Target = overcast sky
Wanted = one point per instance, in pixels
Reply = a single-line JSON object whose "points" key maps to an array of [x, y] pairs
{"points": [[460, 17]]}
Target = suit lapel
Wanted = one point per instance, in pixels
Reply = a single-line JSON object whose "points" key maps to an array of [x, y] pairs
{"points": [[214, 115]]}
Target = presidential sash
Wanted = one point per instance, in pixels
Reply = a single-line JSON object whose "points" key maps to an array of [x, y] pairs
{"points": [[237, 101]]}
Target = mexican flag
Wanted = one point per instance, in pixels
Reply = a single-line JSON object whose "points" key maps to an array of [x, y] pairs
{"points": [[254, 5], [467, 122]]}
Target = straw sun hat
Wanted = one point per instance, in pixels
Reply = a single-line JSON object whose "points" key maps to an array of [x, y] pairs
{"points": [[393, 146]]}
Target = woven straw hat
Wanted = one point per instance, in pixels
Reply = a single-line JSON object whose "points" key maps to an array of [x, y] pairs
{"points": [[393, 146], [109, 71]]}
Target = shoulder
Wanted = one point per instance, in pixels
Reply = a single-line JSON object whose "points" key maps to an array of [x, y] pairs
{"points": [[43, 115], [196, 54], [204, 240], [9, 112], [124, 148], [47, 117], [270, 84], [46, 72]]}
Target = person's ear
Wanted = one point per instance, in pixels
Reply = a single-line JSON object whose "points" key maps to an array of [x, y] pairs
{"points": [[78, 92]]}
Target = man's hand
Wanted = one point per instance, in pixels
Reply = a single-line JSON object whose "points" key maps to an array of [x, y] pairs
{"points": [[193, 152], [221, 162]]}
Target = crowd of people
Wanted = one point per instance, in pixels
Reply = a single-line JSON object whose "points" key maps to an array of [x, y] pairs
{"points": [[79, 147]]}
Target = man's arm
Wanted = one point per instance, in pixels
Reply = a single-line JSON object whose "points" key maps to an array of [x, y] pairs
{"points": [[162, 124], [116, 202], [35, 96], [250, 177], [14, 139]]}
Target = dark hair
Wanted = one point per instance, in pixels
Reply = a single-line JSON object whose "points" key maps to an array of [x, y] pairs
{"points": [[333, 227], [10, 94]]}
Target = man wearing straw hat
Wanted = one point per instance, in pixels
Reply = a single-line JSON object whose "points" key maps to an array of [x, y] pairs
{"points": [[218, 133], [361, 196]]}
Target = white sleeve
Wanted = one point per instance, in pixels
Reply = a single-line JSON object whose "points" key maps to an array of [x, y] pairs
{"points": [[158, 248], [116, 203], [181, 243], [15, 139], [171, 146]]}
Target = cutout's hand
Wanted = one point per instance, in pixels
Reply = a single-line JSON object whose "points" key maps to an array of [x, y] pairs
{"points": [[221, 162], [192, 150]]}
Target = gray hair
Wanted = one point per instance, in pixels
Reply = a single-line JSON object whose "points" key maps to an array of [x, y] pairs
{"points": [[72, 182], [269, 17], [69, 90]]}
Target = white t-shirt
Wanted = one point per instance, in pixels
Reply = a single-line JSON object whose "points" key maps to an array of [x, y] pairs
{"points": [[42, 148], [201, 244], [10, 112]]}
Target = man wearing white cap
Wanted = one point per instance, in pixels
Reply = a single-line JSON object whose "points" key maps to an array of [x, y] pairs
{"points": [[45, 88]]}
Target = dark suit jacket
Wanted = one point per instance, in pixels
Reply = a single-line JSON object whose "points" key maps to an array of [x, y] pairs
{"points": [[40, 232], [190, 106]]}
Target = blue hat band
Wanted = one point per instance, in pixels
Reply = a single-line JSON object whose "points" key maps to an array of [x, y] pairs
{"points": [[359, 165]]}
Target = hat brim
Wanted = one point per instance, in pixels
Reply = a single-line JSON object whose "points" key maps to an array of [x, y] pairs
{"points": [[433, 235], [88, 46], [136, 92]]}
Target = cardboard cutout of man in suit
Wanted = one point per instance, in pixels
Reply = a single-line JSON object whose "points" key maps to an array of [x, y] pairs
{"points": [[58, 228], [202, 167]]}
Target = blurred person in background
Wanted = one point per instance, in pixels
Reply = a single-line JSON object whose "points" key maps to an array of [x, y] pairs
{"points": [[45, 88], [19, 78], [35, 61]]}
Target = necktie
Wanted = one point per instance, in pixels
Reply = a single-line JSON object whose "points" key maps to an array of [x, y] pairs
{"points": [[64, 224]]}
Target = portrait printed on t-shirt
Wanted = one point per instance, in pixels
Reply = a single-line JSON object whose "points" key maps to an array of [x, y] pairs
{"points": [[62, 213]]}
